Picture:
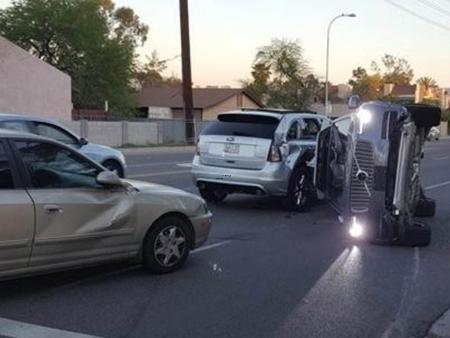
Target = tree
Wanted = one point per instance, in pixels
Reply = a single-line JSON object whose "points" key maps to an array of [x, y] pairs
{"points": [[396, 70], [282, 77], [90, 40], [427, 82], [258, 88], [368, 87]]}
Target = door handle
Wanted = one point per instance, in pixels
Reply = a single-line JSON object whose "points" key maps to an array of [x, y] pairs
{"points": [[52, 208]]}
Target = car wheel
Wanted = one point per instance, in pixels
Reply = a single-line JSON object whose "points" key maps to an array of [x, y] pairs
{"points": [[115, 167], [214, 196], [166, 246], [299, 192]]}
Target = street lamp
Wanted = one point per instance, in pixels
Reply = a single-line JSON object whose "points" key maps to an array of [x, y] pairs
{"points": [[351, 15]]}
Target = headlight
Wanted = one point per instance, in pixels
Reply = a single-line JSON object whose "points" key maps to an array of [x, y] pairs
{"points": [[364, 117], [356, 229]]}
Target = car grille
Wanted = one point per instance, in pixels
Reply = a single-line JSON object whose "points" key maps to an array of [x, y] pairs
{"points": [[360, 198]]}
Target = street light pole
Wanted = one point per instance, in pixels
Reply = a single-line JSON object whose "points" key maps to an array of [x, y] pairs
{"points": [[351, 15]]}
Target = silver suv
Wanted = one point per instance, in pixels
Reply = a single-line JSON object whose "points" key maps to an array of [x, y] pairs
{"points": [[368, 168], [260, 152]]}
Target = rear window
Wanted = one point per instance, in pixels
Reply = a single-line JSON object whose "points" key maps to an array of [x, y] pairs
{"points": [[243, 125]]}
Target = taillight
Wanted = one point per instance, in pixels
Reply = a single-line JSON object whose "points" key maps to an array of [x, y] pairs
{"points": [[274, 154]]}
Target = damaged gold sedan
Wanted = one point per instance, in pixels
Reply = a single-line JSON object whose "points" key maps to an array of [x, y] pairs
{"points": [[60, 210]]}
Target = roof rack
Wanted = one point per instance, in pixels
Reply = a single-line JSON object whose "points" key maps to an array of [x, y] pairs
{"points": [[279, 111]]}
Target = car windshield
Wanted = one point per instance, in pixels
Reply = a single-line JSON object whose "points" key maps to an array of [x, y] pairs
{"points": [[247, 125]]}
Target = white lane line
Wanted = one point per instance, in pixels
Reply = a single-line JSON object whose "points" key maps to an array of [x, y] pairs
{"points": [[211, 246], [441, 158], [397, 327], [443, 184], [150, 164], [185, 165], [15, 329], [165, 173]]}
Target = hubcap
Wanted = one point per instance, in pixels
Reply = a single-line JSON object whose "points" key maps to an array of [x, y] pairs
{"points": [[170, 246]]}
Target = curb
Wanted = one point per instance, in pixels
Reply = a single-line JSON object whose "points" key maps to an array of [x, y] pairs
{"points": [[441, 327]]}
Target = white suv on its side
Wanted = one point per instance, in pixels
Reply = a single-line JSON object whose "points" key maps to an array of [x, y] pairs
{"points": [[258, 152]]}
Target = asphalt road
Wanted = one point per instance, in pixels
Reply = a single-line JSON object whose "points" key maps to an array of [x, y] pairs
{"points": [[272, 274]]}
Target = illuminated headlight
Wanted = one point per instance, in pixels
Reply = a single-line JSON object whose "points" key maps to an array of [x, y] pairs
{"points": [[364, 117], [356, 229]]}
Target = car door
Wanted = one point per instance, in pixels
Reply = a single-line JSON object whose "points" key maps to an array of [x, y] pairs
{"points": [[76, 219], [332, 152], [16, 215]]}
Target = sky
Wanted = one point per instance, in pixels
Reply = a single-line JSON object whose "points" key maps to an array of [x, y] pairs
{"points": [[225, 35]]}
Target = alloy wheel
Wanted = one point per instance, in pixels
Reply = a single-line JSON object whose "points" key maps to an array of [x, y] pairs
{"points": [[170, 246]]}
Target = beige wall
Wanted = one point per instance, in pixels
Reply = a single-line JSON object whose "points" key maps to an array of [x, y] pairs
{"points": [[233, 103], [32, 87]]}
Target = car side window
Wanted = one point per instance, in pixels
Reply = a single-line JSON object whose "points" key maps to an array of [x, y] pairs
{"points": [[310, 129], [54, 133], [293, 131], [54, 167], [6, 177], [15, 125]]}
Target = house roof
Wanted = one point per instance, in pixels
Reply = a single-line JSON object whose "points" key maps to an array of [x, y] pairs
{"points": [[400, 90], [173, 96]]}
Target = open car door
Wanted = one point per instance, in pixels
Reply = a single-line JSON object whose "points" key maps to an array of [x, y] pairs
{"points": [[330, 167]]}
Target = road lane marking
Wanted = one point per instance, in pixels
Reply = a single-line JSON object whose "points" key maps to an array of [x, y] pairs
{"points": [[185, 165], [397, 327], [16, 329], [151, 164], [211, 246], [166, 173], [443, 184]]}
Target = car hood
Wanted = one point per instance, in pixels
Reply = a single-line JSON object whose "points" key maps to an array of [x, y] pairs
{"points": [[99, 152], [172, 198]]}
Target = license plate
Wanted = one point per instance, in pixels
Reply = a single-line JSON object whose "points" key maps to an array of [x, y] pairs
{"points": [[231, 148]]}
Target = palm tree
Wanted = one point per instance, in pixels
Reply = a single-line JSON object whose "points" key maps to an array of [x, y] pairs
{"points": [[427, 82]]}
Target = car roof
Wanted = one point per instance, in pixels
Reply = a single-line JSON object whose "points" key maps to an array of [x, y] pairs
{"points": [[19, 117], [8, 133], [6, 116]]}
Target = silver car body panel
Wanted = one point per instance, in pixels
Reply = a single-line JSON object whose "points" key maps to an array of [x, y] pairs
{"points": [[250, 167], [52, 229]]}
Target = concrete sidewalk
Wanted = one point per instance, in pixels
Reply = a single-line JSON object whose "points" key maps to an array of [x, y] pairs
{"points": [[157, 150], [441, 327]]}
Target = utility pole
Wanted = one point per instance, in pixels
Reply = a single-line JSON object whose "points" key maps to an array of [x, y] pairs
{"points": [[186, 71]]}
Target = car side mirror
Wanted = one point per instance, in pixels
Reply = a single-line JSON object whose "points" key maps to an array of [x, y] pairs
{"points": [[83, 142], [109, 178], [354, 102]]}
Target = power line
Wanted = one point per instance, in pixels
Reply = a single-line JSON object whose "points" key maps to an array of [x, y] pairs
{"points": [[435, 7], [419, 16]]}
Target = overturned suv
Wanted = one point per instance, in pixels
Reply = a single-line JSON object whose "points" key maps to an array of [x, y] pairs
{"points": [[260, 152], [368, 168]]}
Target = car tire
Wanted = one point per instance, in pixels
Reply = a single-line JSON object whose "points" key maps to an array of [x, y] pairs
{"points": [[114, 166], [418, 234], [299, 191], [426, 207], [213, 196], [166, 245]]}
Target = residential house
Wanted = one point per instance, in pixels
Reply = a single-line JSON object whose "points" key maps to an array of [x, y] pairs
{"points": [[30, 86], [167, 102]]}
